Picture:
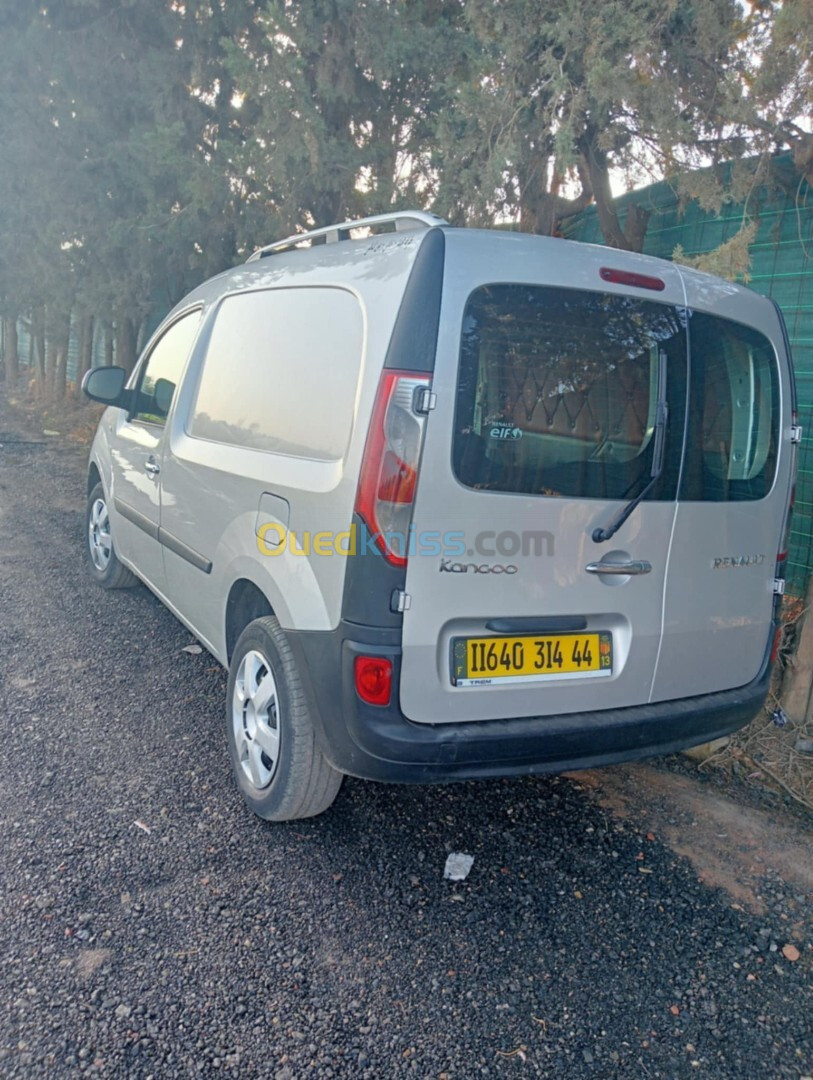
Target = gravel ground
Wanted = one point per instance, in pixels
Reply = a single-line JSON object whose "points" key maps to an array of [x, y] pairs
{"points": [[150, 926]]}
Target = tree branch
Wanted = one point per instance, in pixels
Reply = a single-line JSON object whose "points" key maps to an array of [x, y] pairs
{"points": [[631, 236]]}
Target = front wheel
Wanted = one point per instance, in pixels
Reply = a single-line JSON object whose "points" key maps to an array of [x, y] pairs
{"points": [[103, 563], [280, 770]]}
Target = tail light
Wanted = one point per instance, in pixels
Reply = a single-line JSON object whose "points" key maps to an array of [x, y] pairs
{"points": [[389, 470], [373, 678], [627, 277]]}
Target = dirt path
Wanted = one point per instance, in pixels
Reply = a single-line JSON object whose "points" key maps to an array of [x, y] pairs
{"points": [[742, 849]]}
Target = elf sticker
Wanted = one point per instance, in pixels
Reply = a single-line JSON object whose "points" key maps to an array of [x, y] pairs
{"points": [[505, 433]]}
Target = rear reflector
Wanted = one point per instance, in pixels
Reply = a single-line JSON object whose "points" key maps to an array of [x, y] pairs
{"points": [[626, 277], [373, 677], [777, 638]]}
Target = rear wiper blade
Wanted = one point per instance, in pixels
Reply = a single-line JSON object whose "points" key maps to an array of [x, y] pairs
{"points": [[658, 454]]}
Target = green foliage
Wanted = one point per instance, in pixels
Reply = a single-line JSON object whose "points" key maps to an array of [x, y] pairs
{"points": [[343, 99], [559, 93], [731, 260], [149, 143], [109, 184]]}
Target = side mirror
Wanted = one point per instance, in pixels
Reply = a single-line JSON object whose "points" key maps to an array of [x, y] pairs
{"points": [[164, 389], [106, 384]]}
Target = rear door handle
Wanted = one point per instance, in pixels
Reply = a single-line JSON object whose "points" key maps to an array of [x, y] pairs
{"points": [[152, 467], [637, 566]]}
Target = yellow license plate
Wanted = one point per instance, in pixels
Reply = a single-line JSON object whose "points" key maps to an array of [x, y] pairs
{"points": [[544, 657]]}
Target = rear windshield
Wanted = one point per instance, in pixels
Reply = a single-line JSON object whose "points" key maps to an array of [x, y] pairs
{"points": [[558, 394], [558, 390]]}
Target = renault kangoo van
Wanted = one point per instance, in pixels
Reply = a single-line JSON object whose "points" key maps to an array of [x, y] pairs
{"points": [[451, 503]]}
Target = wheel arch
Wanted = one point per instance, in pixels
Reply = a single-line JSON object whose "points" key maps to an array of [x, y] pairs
{"points": [[245, 603], [94, 477]]}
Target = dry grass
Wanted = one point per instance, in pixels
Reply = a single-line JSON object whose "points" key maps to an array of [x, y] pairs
{"points": [[764, 752], [75, 420]]}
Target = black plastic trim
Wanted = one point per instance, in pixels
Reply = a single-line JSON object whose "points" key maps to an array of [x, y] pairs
{"points": [[369, 582], [414, 338], [786, 339], [200, 562], [551, 624], [382, 744], [137, 518], [155, 532]]}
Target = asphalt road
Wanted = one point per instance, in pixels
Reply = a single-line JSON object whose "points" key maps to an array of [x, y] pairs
{"points": [[150, 926]]}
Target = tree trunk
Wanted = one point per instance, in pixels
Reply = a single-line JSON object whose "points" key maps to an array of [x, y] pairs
{"points": [[125, 344], [11, 354], [38, 348], [536, 213], [84, 355], [542, 209], [142, 337], [50, 364], [629, 238], [109, 355], [29, 360], [62, 342]]}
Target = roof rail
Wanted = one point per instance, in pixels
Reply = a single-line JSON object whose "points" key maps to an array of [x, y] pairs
{"points": [[403, 220]]}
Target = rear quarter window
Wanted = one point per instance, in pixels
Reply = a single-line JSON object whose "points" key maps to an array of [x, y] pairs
{"points": [[281, 372], [732, 443]]}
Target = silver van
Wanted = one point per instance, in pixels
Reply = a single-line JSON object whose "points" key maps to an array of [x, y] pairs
{"points": [[452, 503]]}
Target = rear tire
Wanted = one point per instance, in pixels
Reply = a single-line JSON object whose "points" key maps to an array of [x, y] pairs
{"points": [[280, 770], [103, 563]]}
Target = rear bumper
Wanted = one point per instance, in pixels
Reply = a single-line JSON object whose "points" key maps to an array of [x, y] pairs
{"points": [[378, 743]]}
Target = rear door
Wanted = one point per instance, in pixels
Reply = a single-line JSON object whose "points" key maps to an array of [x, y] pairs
{"points": [[733, 496], [545, 427]]}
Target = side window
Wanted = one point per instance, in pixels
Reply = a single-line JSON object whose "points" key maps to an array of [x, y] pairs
{"points": [[733, 412], [281, 372], [160, 375]]}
